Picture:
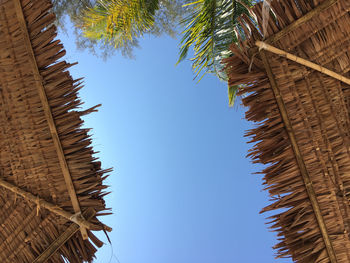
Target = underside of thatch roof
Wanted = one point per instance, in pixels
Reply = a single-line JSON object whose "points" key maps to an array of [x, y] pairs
{"points": [[51, 186], [302, 118]]}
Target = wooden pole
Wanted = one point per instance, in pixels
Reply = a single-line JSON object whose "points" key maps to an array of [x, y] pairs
{"points": [[78, 219], [302, 61], [298, 156], [48, 114]]}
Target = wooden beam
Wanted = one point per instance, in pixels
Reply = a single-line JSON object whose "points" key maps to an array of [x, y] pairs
{"points": [[303, 170], [294, 25], [78, 219], [302, 61], [63, 238], [48, 113]]}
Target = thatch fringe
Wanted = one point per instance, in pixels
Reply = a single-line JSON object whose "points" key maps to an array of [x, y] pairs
{"points": [[318, 109], [28, 157]]}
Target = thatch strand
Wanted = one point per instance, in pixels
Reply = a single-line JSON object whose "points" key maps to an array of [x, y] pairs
{"points": [[317, 107]]}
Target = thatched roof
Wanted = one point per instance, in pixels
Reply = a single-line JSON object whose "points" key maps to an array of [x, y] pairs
{"points": [[48, 175], [303, 125]]}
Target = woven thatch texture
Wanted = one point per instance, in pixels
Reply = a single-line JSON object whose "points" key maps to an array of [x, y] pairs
{"points": [[318, 110], [28, 158]]}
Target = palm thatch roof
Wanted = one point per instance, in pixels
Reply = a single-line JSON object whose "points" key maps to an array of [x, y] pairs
{"points": [[51, 185], [302, 118]]}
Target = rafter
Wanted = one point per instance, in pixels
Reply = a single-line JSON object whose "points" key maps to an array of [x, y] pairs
{"points": [[303, 170], [48, 114]]}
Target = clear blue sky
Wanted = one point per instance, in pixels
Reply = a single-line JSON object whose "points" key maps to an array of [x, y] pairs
{"points": [[182, 189]]}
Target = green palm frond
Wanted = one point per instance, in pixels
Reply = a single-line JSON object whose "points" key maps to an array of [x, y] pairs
{"points": [[118, 22], [210, 31]]}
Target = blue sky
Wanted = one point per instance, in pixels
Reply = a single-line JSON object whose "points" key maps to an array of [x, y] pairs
{"points": [[182, 189]]}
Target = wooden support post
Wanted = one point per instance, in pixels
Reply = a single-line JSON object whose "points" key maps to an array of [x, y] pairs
{"points": [[62, 239], [78, 219], [48, 113], [303, 170], [302, 61]]}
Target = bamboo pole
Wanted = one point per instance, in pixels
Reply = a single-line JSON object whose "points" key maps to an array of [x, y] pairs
{"points": [[48, 114], [302, 61], [77, 218], [299, 158]]}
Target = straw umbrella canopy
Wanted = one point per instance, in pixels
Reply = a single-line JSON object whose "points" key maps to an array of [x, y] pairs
{"points": [[295, 77], [51, 185]]}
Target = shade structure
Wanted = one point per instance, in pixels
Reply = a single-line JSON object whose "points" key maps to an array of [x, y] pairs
{"points": [[302, 117], [51, 185]]}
